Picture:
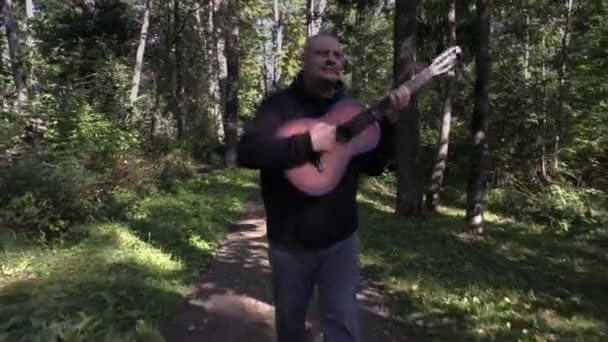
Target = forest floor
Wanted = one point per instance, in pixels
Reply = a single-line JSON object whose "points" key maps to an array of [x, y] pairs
{"points": [[189, 260]]}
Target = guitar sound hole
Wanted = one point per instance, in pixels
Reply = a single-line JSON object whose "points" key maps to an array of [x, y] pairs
{"points": [[343, 134]]}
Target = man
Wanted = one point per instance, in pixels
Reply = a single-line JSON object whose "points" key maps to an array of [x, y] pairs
{"points": [[312, 239]]}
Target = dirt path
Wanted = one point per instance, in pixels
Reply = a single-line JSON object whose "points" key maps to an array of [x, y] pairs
{"points": [[233, 301]]}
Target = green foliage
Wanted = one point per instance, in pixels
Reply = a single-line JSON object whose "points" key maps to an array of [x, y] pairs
{"points": [[99, 140], [559, 208], [174, 166], [122, 279], [46, 198], [369, 72]]}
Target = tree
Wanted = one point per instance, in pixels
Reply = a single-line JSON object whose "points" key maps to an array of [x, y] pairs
{"points": [[562, 80], [232, 83], [217, 56], [479, 125], [13, 47], [29, 42], [139, 58], [409, 168], [277, 33], [314, 16], [432, 199], [179, 92]]}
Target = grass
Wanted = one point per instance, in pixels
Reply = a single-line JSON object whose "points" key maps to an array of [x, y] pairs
{"points": [[122, 278], [519, 283]]}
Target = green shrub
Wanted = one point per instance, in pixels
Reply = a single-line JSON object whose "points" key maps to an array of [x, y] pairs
{"points": [[45, 198], [120, 204], [562, 208], [174, 166]]}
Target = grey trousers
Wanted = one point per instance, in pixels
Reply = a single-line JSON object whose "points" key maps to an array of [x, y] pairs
{"points": [[335, 271]]}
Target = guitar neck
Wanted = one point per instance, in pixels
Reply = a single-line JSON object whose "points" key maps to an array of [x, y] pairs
{"points": [[377, 112]]}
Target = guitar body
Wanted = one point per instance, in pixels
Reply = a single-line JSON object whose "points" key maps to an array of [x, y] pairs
{"points": [[307, 177]]}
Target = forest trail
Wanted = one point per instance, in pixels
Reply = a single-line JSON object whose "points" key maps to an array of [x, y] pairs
{"points": [[233, 300]]}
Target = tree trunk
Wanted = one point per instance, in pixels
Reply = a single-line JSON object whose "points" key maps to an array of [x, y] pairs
{"points": [[409, 174], [432, 199], [29, 42], [3, 57], [141, 48], [218, 85], [4, 87], [527, 48], [314, 16], [477, 178], [357, 78], [267, 70], [13, 48], [278, 44], [562, 86], [179, 83], [543, 133], [232, 83]]}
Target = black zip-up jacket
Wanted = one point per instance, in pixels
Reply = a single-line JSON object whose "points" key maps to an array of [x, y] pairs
{"points": [[295, 220]]}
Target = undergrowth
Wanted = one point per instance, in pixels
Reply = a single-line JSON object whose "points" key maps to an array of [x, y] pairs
{"points": [[117, 279], [524, 281]]}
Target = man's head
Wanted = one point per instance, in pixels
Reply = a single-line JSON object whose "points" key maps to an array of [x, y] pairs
{"points": [[322, 58]]}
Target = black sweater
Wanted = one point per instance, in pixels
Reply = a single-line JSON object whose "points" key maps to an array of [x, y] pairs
{"points": [[295, 220]]}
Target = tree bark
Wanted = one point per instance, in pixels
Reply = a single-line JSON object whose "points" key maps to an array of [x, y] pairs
{"points": [[432, 199], [357, 79], [409, 174], [314, 16], [218, 85], [3, 56], [543, 133], [141, 48], [278, 44], [232, 83], [562, 87], [477, 178], [29, 42], [13, 48], [179, 83]]}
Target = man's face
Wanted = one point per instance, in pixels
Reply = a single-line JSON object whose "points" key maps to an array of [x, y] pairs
{"points": [[323, 59]]}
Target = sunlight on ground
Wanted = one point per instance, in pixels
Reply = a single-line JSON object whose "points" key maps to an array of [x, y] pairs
{"points": [[518, 283], [107, 273], [120, 280]]}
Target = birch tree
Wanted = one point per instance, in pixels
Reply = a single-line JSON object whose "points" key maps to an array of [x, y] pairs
{"points": [[432, 199], [13, 47], [314, 16], [139, 58]]}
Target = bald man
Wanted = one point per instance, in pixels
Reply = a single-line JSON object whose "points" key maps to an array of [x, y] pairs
{"points": [[312, 239]]}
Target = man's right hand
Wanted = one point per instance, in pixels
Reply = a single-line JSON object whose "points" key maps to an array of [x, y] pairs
{"points": [[323, 137]]}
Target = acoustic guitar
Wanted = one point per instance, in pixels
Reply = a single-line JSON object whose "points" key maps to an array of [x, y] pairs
{"points": [[357, 131]]}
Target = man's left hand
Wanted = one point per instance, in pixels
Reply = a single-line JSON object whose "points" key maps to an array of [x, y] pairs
{"points": [[400, 99]]}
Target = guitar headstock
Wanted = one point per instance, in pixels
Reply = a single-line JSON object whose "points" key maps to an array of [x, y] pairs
{"points": [[446, 61]]}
